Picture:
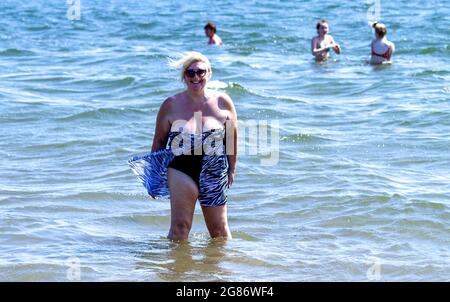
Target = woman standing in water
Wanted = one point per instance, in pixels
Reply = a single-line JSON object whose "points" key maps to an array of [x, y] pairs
{"points": [[381, 49], [199, 126], [323, 43]]}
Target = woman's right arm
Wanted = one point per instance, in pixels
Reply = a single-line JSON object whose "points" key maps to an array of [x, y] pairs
{"points": [[162, 126], [391, 49]]}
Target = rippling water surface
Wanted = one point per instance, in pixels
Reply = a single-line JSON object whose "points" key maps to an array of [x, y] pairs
{"points": [[361, 190]]}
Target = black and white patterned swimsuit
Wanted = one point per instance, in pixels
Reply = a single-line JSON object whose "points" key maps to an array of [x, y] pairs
{"points": [[201, 156]]}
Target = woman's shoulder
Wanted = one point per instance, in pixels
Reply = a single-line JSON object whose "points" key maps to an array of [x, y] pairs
{"points": [[224, 101], [217, 40], [391, 44], [169, 102], [221, 96], [174, 98]]}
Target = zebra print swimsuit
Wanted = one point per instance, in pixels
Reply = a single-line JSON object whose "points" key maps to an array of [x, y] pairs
{"points": [[201, 156]]}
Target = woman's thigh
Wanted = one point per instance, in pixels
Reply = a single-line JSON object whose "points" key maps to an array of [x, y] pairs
{"points": [[183, 195], [216, 217]]}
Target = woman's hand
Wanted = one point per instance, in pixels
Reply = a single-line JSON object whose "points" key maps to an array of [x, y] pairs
{"points": [[231, 176], [337, 48]]}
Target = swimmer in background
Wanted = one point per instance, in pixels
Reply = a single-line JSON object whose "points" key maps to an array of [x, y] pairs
{"points": [[381, 48], [210, 32], [323, 43]]}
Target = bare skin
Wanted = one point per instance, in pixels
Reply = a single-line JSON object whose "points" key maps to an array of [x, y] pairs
{"points": [[383, 46], [214, 39], [182, 111], [321, 44]]}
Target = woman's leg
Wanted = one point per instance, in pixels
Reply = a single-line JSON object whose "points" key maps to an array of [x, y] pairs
{"points": [[183, 196], [217, 221]]}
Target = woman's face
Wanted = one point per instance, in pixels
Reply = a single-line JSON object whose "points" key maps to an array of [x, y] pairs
{"points": [[196, 76], [323, 29], [209, 32]]}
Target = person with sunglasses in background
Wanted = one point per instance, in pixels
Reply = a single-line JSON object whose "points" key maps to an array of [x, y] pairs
{"points": [[194, 151]]}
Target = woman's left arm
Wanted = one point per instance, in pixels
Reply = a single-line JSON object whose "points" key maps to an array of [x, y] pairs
{"points": [[336, 47], [231, 125]]}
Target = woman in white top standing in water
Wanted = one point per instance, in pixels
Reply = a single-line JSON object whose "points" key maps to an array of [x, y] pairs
{"points": [[323, 43], [381, 49], [211, 33]]}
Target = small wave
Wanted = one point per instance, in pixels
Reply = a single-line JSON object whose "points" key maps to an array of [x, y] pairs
{"points": [[28, 97], [68, 144], [244, 236], [52, 101], [432, 72], [115, 83], [55, 209], [217, 85], [238, 88], [305, 138], [99, 113], [140, 37], [244, 51], [416, 223], [146, 25], [96, 196], [233, 87], [293, 99], [38, 27], [424, 205], [430, 50], [14, 52], [41, 78], [18, 120]]}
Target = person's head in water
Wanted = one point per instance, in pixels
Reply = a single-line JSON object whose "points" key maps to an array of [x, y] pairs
{"points": [[210, 29], [211, 33], [322, 27], [380, 30]]}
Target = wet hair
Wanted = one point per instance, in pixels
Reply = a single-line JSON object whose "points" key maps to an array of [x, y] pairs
{"points": [[211, 26], [380, 29], [188, 59], [319, 24]]}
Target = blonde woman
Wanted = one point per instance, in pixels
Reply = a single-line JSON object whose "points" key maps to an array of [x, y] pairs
{"points": [[381, 49], [194, 151]]}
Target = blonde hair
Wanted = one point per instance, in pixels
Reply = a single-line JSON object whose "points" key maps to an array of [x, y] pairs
{"points": [[380, 29], [187, 59]]}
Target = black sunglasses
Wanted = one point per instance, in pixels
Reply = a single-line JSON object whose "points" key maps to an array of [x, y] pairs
{"points": [[190, 73]]}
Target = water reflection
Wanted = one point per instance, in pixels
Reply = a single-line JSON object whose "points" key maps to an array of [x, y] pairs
{"points": [[184, 261]]}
